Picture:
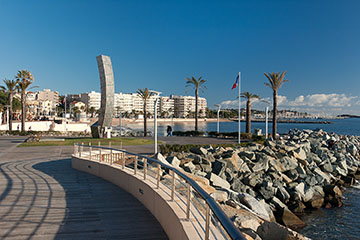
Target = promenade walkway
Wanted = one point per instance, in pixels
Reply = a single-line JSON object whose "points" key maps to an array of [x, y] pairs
{"points": [[42, 197]]}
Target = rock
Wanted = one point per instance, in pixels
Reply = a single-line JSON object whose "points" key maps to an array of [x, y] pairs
{"points": [[333, 196], [282, 194], [218, 181], [288, 163], [252, 180], [199, 150], [277, 203], [189, 167], [261, 165], [220, 196], [173, 161], [324, 177], [218, 167], [297, 207], [256, 206], [289, 219], [247, 154], [292, 174], [161, 158], [300, 188]]}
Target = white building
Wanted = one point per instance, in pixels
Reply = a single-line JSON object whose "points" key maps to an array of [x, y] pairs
{"points": [[166, 106], [185, 105], [91, 99]]}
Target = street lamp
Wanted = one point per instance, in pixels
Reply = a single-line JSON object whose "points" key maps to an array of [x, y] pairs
{"points": [[120, 119], [218, 115], [266, 118], [157, 94], [7, 116]]}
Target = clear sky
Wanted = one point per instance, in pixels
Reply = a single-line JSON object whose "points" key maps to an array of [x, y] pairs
{"points": [[157, 44]]}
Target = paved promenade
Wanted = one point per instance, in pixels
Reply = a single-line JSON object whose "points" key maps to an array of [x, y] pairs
{"points": [[42, 197]]}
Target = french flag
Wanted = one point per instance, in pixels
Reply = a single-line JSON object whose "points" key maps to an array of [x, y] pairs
{"points": [[236, 83]]}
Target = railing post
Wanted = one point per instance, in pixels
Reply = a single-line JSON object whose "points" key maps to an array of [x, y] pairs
{"points": [[135, 165], [172, 185], [80, 150], [207, 224], [90, 150], [99, 144], [123, 161], [111, 156], [145, 168], [188, 195], [158, 176]]}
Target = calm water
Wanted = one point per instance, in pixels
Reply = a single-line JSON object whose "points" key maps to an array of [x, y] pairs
{"points": [[339, 223], [339, 126]]}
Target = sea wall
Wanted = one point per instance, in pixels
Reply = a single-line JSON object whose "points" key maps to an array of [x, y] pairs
{"points": [[280, 179]]}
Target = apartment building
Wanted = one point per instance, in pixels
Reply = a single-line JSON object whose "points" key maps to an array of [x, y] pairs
{"points": [[185, 105], [166, 106], [91, 99]]}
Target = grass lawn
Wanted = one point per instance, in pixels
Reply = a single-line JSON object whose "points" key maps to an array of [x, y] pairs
{"points": [[94, 141]]}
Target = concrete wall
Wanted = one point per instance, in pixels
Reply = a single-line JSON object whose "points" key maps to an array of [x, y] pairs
{"points": [[45, 126], [168, 213]]}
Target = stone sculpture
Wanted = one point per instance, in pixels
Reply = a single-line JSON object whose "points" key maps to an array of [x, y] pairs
{"points": [[99, 128]]}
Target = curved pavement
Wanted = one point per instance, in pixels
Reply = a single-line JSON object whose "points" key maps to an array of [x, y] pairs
{"points": [[42, 197]]}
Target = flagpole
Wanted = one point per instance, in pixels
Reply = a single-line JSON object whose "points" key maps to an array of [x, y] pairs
{"points": [[239, 109]]}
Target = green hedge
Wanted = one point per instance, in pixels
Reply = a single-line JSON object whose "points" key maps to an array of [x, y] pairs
{"points": [[168, 148], [189, 133], [246, 136]]}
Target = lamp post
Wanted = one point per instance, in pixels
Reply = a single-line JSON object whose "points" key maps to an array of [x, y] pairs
{"points": [[157, 94], [266, 117], [266, 122], [7, 116], [218, 116], [120, 121]]}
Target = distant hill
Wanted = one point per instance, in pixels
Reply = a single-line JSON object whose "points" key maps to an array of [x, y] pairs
{"points": [[348, 116]]}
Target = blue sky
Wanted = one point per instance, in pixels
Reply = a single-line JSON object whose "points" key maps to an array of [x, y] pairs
{"points": [[157, 44]]}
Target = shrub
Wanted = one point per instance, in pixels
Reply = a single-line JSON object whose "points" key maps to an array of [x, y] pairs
{"points": [[189, 133]]}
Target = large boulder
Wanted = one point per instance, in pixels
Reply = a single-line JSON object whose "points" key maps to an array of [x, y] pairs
{"points": [[174, 161], [199, 150], [256, 206], [217, 181]]}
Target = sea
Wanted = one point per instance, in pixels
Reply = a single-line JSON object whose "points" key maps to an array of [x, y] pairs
{"points": [[336, 223]]}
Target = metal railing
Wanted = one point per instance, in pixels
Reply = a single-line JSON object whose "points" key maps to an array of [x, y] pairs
{"points": [[207, 211]]}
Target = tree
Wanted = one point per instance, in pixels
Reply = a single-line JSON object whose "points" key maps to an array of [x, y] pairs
{"points": [[276, 81], [248, 97], [92, 110], [24, 79], [145, 94], [197, 84], [10, 88]]}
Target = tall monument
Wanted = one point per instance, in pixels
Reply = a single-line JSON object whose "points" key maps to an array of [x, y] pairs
{"points": [[107, 97]]}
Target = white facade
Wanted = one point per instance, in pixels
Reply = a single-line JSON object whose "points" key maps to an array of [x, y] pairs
{"points": [[185, 105], [92, 99]]}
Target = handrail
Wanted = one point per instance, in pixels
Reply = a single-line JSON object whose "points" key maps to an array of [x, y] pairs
{"points": [[227, 224]]}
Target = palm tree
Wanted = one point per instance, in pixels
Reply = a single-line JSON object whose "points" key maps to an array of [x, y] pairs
{"points": [[248, 97], [24, 79], [197, 84], [145, 94], [276, 81], [10, 87]]}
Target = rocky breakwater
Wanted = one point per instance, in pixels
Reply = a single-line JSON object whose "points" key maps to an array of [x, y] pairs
{"points": [[275, 182]]}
